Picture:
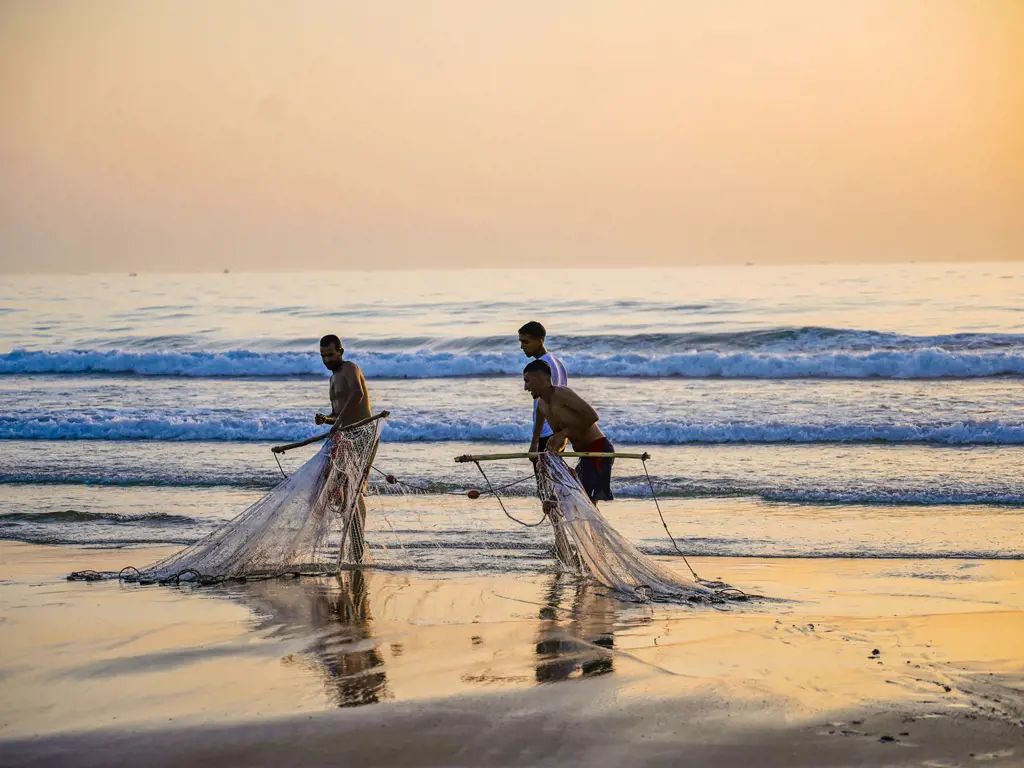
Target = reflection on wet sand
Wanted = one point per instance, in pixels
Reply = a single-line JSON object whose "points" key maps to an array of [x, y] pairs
{"points": [[337, 610], [328, 629], [583, 645]]}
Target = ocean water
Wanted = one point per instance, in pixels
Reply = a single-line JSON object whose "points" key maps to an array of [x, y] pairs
{"points": [[813, 411]]}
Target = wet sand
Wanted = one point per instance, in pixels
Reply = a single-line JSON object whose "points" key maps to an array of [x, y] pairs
{"points": [[870, 662]]}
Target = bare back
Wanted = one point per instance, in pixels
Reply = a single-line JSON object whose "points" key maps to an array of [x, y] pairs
{"points": [[565, 410], [350, 398]]}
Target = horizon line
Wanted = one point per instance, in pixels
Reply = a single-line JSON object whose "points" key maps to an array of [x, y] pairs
{"points": [[514, 268]]}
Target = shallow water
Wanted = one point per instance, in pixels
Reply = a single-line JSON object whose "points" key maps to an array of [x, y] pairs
{"points": [[868, 411]]}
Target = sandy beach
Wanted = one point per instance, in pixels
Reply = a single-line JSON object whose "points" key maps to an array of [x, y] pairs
{"points": [[298, 302], [908, 662]]}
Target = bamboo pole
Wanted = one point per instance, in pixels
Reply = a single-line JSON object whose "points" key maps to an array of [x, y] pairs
{"points": [[317, 438], [566, 455]]}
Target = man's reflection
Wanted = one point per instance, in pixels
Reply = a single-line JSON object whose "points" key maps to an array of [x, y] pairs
{"points": [[336, 613], [356, 673], [567, 647]]}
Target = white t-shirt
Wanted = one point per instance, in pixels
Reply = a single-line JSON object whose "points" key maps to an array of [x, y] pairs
{"points": [[558, 378]]}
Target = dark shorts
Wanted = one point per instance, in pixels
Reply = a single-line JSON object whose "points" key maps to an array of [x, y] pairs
{"points": [[595, 475]]}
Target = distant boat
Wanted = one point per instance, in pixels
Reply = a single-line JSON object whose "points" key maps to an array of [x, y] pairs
{"points": [[226, 271], [133, 274]]}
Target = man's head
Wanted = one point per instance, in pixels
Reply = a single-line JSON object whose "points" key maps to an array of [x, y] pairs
{"points": [[331, 352], [537, 378], [531, 339]]}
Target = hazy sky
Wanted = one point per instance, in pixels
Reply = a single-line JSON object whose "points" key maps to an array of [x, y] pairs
{"points": [[252, 134]]}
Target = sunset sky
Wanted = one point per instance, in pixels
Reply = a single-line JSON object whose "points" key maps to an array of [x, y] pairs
{"points": [[250, 134]]}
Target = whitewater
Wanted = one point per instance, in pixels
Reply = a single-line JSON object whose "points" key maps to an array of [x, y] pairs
{"points": [[980, 355], [880, 408]]}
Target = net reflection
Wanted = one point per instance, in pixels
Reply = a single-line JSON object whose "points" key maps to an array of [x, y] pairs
{"points": [[576, 633], [336, 612]]}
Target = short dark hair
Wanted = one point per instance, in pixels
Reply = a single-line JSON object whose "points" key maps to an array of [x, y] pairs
{"points": [[538, 366], [330, 340], [535, 329]]}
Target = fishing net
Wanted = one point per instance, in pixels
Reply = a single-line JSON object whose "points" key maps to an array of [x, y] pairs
{"points": [[587, 542], [315, 522], [431, 526], [311, 523]]}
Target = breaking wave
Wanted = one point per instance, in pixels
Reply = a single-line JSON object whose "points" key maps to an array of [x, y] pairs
{"points": [[219, 426], [776, 354]]}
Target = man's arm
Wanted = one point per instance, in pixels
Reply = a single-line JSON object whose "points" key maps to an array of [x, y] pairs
{"points": [[557, 441], [538, 427]]}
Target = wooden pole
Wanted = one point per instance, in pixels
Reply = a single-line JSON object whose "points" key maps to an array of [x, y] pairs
{"points": [[317, 438], [566, 455]]}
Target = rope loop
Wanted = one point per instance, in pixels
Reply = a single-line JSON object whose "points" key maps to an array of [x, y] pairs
{"points": [[122, 577], [392, 480], [502, 503]]}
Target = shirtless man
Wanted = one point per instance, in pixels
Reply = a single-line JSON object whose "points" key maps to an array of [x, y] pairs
{"points": [[573, 418], [350, 402]]}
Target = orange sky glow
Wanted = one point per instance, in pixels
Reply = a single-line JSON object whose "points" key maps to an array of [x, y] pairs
{"points": [[202, 134]]}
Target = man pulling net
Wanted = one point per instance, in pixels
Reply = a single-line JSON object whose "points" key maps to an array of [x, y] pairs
{"points": [[569, 417], [584, 540], [313, 521], [350, 404], [599, 550], [574, 419]]}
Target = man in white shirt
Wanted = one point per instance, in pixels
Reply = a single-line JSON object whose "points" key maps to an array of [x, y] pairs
{"points": [[531, 341]]}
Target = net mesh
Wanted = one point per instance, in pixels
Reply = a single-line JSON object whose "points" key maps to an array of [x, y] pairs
{"points": [[434, 529], [315, 523], [585, 541], [311, 523]]}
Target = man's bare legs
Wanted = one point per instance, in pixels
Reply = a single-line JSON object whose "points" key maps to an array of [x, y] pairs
{"points": [[356, 539], [353, 544]]}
